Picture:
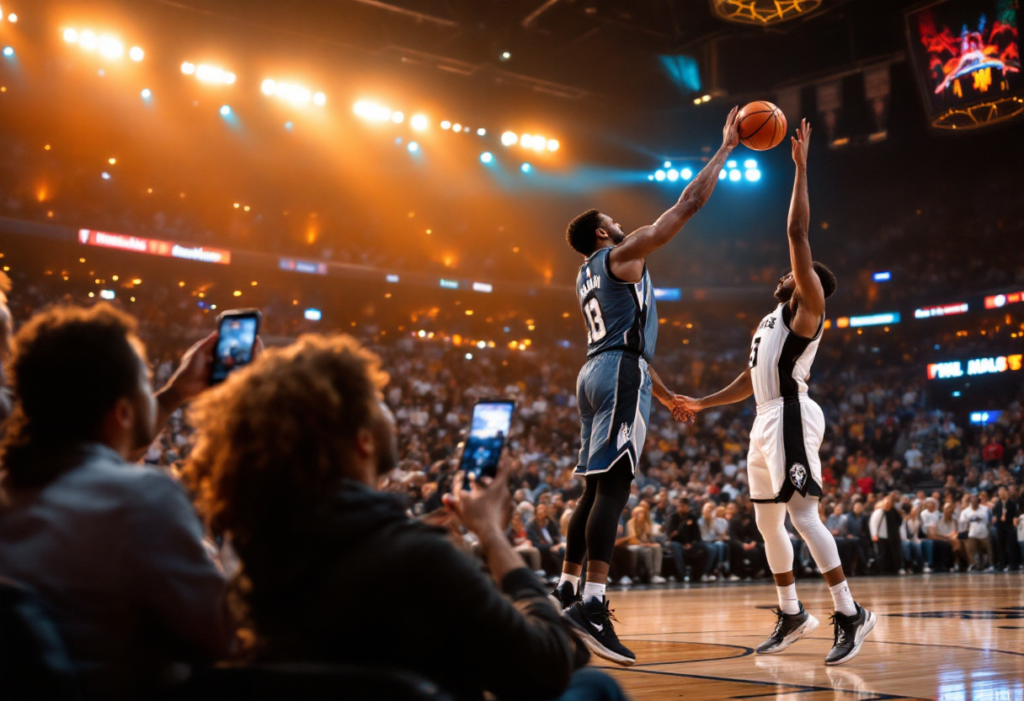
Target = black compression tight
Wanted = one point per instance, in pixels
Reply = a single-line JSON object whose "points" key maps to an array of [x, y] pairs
{"points": [[594, 523]]}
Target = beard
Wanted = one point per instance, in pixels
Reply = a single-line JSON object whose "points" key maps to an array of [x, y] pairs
{"points": [[617, 237], [783, 294]]}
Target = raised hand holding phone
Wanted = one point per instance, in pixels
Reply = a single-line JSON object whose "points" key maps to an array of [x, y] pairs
{"points": [[237, 336]]}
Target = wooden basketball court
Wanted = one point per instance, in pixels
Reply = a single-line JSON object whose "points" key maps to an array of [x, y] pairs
{"points": [[938, 637]]}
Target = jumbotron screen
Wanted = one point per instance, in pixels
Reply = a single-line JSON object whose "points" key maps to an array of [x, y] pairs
{"points": [[965, 51]]}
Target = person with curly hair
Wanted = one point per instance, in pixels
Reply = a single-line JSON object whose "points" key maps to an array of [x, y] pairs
{"points": [[114, 549], [288, 455]]}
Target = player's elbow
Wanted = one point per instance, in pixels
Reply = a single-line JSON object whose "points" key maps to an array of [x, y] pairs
{"points": [[797, 232]]}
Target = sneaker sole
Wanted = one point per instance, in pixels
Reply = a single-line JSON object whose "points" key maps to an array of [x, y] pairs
{"points": [[809, 626], [868, 627], [598, 649]]}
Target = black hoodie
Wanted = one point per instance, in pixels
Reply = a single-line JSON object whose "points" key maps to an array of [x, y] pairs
{"points": [[358, 582]]}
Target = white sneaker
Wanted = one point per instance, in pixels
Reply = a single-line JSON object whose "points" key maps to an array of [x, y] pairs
{"points": [[625, 581], [712, 578], [927, 569], [658, 579], [902, 572], [734, 578]]}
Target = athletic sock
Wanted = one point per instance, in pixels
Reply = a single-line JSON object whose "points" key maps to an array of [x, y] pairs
{"points": [[573, 579], [787, 599], [593, 590], [843, 600]]}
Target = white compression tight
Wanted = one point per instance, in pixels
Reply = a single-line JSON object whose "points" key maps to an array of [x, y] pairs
{"points": [[771, 521]]}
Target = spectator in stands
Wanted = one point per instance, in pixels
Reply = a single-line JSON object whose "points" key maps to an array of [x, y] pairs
{"points": [[975, 520], [917, 552], [544, 535], [948, 529], [115, 550], [1004, 514], [687, 543], [747, 546], [839, 526], [640, 536], [885, 534], [521, 541], [941, 553], [288, 454], [714, 532]]}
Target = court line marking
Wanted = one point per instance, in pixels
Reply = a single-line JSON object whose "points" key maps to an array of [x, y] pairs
{"points": [[867, 695], [955, 647], [745, 652]]}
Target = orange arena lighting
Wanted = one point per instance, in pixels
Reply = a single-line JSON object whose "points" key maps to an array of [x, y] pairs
{"points": [[208, 74], [372, 111], [293, 93]]}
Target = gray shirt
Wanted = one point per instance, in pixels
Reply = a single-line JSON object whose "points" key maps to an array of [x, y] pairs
{"points": [[117, 552]]}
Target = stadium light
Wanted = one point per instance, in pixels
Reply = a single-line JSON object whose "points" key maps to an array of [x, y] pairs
{"points": [[456, 127], [8, 51], [146, 93], [651, 176], [730, 164], [413, 147], [659, 175], [397, 117], [186, 68], [734, 175], [722, 175], [750, 164], [419, 122], [509, 138], [312, 314], [526, 140], [446, 125], [673, 175], [295, 94], [87, 40], [225, 110], [110, 47], [213, 74], [553, 145], [668, 164], [526, 167], [486, 157], [71, 36], [686, 173], [481, 132], [319, 99], [136, 53], [372, 111], [753, 175], [12, 18]]}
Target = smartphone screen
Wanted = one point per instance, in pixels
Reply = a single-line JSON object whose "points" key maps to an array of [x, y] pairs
{"points": [[488, 430], [235, 343]]}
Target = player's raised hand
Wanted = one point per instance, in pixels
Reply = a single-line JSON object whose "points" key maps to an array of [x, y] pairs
{"points": [[801, 143], [731, 132]]}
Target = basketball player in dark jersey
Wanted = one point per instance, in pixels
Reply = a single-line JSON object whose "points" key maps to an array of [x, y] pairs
{"points": [[614, 390], [783, 467]]}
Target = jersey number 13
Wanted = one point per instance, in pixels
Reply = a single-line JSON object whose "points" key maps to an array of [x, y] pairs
{"points": [[595, 322]]}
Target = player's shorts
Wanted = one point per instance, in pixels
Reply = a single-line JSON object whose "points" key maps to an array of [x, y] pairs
{"points": [[784, 443], [613, 392]]}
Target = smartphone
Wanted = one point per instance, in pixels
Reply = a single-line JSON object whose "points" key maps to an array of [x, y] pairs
{"points": [[237, 330], [488, 429]]}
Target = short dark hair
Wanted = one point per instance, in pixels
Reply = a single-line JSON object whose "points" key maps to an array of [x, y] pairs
{"points": [[71, 365], [827, 277], [582, 232]]}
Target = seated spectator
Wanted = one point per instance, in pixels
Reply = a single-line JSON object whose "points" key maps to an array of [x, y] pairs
{"points": [[287, 457], [640, 538], [975, 520], [747, 545], [544, 535], [941, 557], [839, 526], [885, 534], [948, 530], [917, 552], [714, 532], [114, 549], [521, 542], [687, 543]]}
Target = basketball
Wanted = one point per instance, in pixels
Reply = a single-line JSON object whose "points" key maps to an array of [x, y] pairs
{"points": [[762, 125]]}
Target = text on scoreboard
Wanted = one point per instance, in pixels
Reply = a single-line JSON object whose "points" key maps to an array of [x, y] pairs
{"points": [[978, 366]]}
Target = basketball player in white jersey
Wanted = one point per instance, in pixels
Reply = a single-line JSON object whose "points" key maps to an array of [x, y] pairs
{"points": [[783, 467]]}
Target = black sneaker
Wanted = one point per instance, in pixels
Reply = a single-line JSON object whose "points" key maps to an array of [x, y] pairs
{"points": [[788, 629], [564, 595], [593, 620], [850, 632]]}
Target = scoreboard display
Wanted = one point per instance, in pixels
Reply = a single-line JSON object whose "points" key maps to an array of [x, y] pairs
{"points": [[966, 53]]}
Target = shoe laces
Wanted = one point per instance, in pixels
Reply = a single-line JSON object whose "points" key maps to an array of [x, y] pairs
{"points": [[779, 623], [839, 631]]}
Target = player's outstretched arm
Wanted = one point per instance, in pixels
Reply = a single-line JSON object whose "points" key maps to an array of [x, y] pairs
{"points": [[668, 397], [808, 292], [738, 390], [638, 245]]}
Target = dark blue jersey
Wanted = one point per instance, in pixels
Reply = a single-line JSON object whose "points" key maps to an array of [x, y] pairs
{"points": [[619, 315]]}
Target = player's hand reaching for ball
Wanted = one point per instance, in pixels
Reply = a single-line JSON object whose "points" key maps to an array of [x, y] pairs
{"points": [[801, 142], [731, 133]]}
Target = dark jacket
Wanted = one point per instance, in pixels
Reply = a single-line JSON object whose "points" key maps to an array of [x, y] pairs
{"points": [[743, 529], [535, 532], [682, 531], [358, 582]]}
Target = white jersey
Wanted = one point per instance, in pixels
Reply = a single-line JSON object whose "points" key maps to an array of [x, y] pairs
{"points": [[780, 360]]}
